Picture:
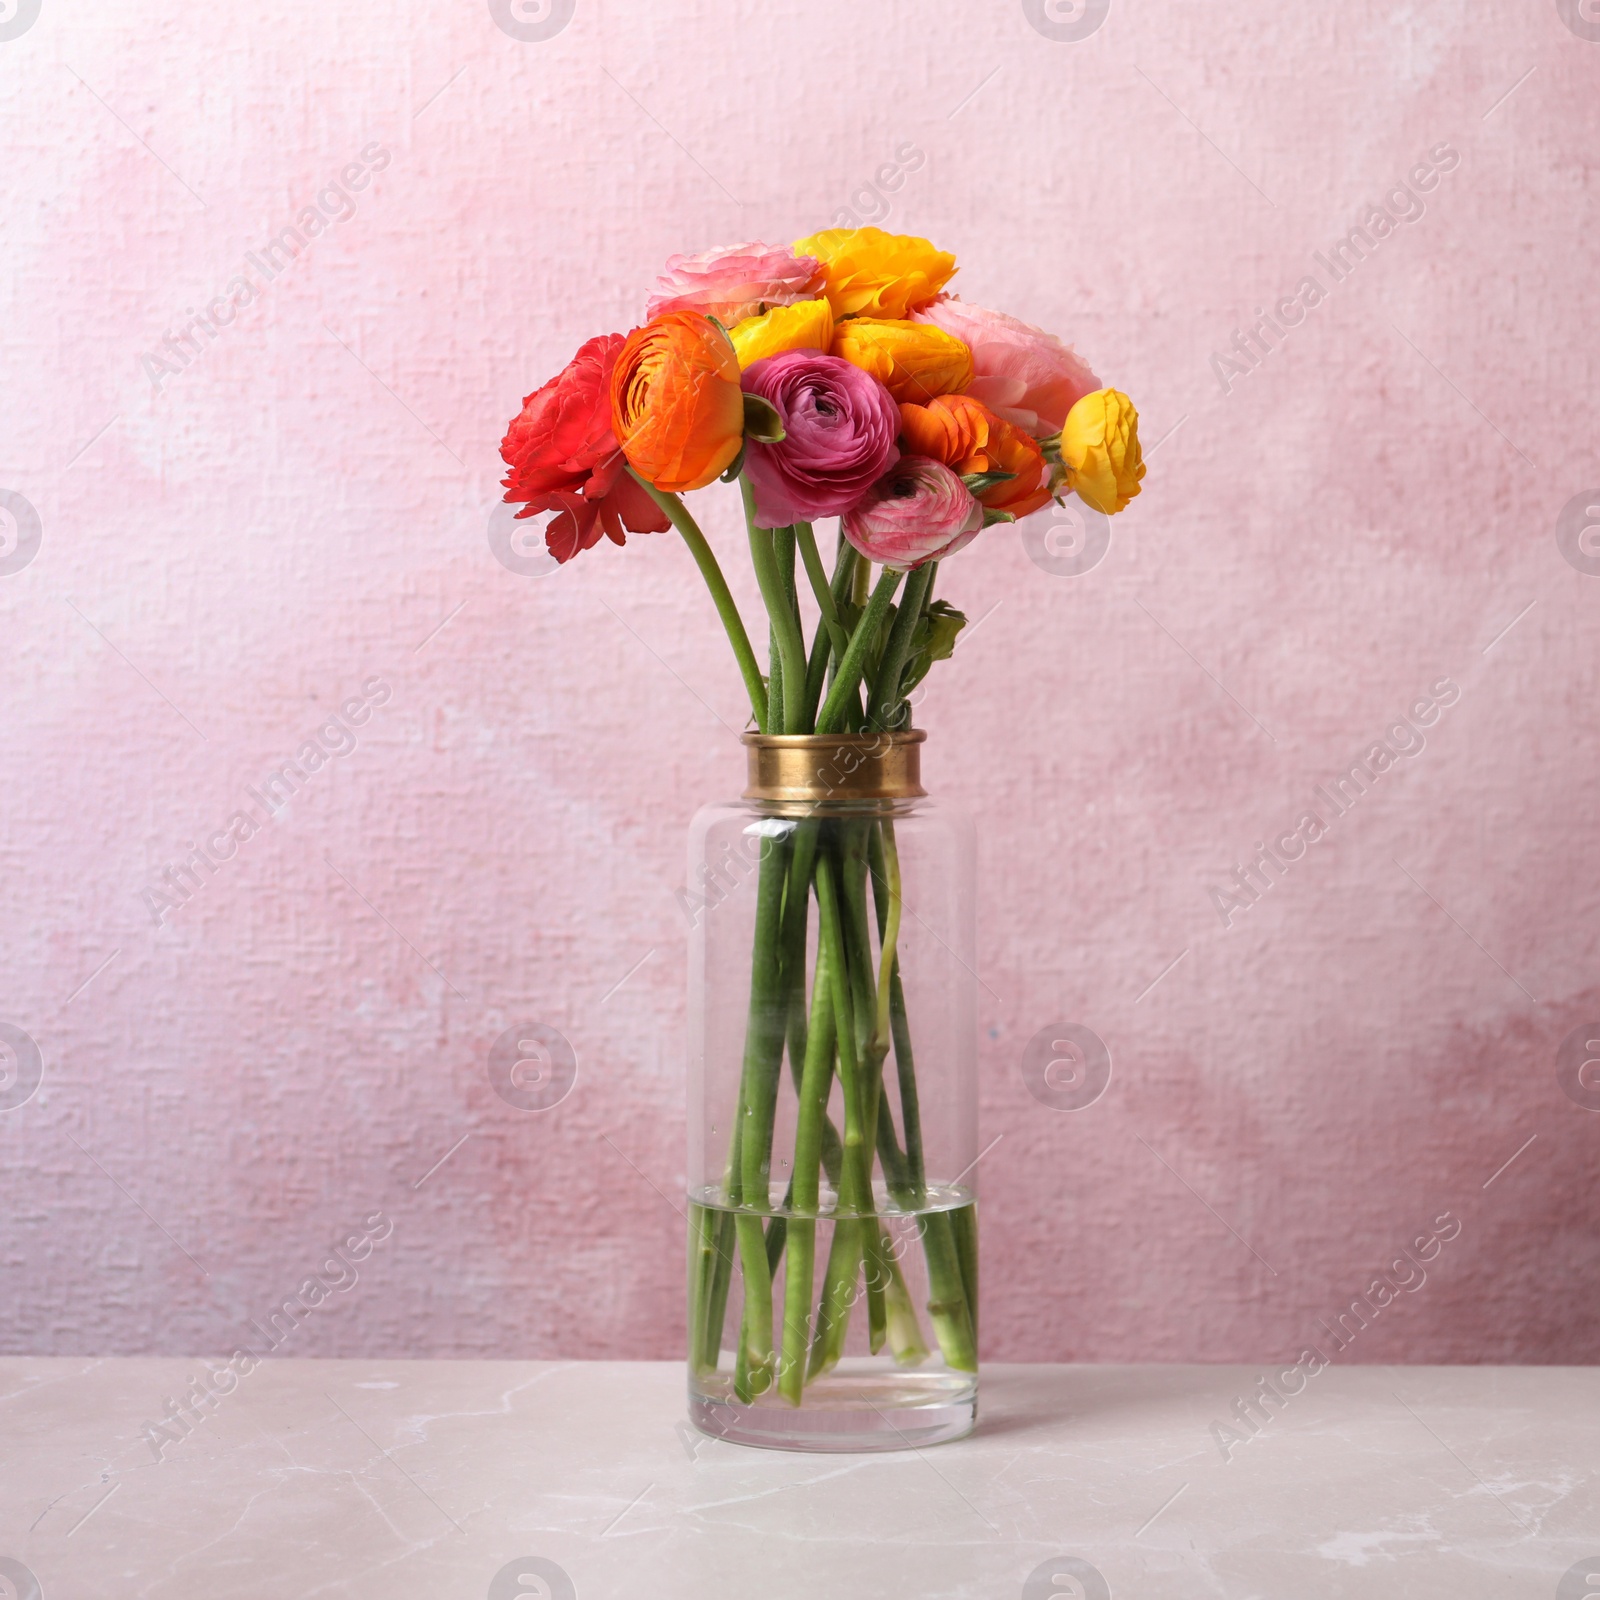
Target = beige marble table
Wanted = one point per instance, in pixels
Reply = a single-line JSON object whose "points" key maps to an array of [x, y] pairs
{"points": [[477, 1480]]}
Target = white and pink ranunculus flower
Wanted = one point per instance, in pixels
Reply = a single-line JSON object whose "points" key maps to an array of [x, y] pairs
{"points": [[732, 282], [918, 511]]}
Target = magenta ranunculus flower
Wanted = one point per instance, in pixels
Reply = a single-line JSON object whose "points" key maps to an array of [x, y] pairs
{"points": [[840, 426], [1020, 372], [735, 281], [920, 511]]}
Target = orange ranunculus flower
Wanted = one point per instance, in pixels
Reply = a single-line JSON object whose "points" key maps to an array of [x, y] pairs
{"points": [[968, 437], [676, 405], [806, 325], [877, 274], [912, 360], [951, 428], [1015, 450]]}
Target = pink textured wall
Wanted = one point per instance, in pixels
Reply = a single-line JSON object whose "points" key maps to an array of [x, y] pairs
{"points": [[300, 516]]}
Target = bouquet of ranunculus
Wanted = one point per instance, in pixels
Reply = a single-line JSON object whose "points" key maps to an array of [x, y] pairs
{"points": [[832, 379]]}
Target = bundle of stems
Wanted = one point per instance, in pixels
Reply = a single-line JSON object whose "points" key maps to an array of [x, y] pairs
{"points": [[845, 1025]]}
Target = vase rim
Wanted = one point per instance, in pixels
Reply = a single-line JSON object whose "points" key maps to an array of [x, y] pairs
{"points": [[817, 741], [811, 769]]}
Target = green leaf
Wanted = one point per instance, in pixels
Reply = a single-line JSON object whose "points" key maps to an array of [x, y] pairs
{"points": [[761, 420], [991, 516], [934, 640], [735, 467]]}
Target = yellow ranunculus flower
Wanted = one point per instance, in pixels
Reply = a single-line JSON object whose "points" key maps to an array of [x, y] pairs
{"points": [[877, 274], [1100, 450], [914, 361], [807, 325]]}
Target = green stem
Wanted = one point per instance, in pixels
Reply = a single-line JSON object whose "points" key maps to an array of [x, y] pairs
{"points": [[906, 1073], [905, 1332], [885, 698], [799, 1275], [800, 1269], [807, 542], [947, 1294], [796, 919], [964, 1224], [858, 949], [895, 1176], [764, 1032], [899, 1023], [797, 906], [721, 595], [758, 1098], [856, 1180], [753, 1370], [855, 1184], [888, 931], [815, 1084], [716, 1303], [702, 1251], [822, 651], [777, 1234], [785, 619], [783, 544], [838, 1294], [709, 1314], [831, 718], [863, 1007], [774, 682], [875, 1263]]}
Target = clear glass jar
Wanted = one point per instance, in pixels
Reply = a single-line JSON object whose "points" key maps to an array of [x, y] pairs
{"points": [[833, 1242]]}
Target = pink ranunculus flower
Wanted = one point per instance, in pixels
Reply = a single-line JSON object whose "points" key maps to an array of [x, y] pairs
{"points": [[1022, 373], [918, 511], [840, 426], [732, 282]]}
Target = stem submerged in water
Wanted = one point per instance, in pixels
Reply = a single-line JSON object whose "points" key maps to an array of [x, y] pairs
{"points": [[843, 1025]]}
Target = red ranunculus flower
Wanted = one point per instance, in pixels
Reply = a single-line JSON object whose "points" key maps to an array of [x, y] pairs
{"points": [[564, 457]]}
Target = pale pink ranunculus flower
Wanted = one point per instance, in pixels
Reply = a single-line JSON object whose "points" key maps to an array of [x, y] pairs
{"points": [[917, 511], [732, 282], [1021, 373]]}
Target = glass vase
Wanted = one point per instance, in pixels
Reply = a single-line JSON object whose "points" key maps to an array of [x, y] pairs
{"points": [[833, 1239]]}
